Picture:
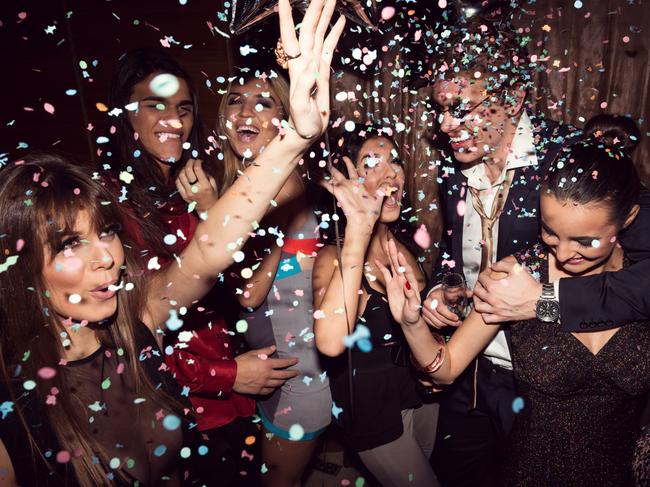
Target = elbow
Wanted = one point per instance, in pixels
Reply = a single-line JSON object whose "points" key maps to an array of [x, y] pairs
{"points": [[329, 347], [251, 300]]}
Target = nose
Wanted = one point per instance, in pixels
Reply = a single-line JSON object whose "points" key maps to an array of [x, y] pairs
{"points": [[564, 251], [246, 109], [102, 257], [448, 123]]}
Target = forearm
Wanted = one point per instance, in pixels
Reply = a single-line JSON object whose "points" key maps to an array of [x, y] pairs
{"points": [[337, 311], [465, 344], [231, 218]]}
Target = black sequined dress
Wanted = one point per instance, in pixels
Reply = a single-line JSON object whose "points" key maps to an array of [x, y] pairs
{"points": [[580, 418]]}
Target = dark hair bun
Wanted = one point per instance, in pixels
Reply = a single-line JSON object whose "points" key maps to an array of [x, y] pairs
{"points": [[614, 131]]}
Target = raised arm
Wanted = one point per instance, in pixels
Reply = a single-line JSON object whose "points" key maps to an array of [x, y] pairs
{"points": [[221, 234], [404, 301], [336, 284]]}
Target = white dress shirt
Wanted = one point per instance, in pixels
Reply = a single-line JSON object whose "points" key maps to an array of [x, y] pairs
{"points": [[521, 154]]}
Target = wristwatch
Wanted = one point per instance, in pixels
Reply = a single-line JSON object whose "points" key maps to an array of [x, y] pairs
{"points": [[547, 309]]}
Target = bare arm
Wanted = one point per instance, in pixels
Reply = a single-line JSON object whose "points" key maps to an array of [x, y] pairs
{"points": [[263, 253], [7, 474], [404, 300]]}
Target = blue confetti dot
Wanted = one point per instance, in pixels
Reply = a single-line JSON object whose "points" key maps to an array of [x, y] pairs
{"points": [[70, 92], [171, 422], [518, 404], [577, 4], [364, 345], [203, 450], [160, 450]]}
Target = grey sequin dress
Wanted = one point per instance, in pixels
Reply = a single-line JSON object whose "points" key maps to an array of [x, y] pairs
{"points": [[580, 417]]}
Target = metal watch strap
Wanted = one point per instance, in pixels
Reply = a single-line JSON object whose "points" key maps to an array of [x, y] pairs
{"points": [[548, 291]]}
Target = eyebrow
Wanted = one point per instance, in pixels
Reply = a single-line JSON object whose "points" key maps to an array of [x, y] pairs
{"points": [[160, 99], [584, 237]]}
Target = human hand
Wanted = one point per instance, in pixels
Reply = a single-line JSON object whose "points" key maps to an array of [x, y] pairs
{"points": [[194, 184], [361, 208], [257, 373], [436, 313], [310, 56], [401, 287], [506, 292]]}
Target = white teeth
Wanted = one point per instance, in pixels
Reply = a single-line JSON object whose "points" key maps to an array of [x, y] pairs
{"points": [[247, 128], [163, 136], [464, 135]]}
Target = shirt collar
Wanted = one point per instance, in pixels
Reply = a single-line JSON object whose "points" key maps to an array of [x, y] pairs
{"points": [[522, 154]]}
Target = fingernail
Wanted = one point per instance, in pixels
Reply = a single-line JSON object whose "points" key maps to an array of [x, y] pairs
{"points": [[407, 285]]}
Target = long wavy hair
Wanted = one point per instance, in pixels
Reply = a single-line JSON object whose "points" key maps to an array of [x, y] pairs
{"points": [[231, 162], [148, 191], [40, 199]]}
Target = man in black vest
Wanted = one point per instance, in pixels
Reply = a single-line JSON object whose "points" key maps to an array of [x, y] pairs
{"points": [[489, 200]]}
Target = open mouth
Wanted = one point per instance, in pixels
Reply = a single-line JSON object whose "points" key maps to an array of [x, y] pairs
{"points": [[462, 143], [392, 201], [247, 133], [171, 136]]}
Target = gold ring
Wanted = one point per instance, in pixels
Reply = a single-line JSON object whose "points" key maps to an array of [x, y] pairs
{"points": [[281, 57]]}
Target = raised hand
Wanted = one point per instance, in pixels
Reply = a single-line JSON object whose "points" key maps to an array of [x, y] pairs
{"points": [[361, 208], [194, 184], [401, 287], [309, 59]]}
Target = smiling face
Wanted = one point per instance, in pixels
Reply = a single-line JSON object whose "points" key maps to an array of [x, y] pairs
{"points": [[580, 237], [479, 126], [162, 124], [79, 274], [252, 115], [380, 167]]}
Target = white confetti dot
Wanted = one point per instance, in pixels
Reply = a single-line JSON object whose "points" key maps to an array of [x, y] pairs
{"points": [[595, 243], [169, 239], [164, 85], [74, 299], [349, 126], [246, 273], [296, 432], [238, 256]]}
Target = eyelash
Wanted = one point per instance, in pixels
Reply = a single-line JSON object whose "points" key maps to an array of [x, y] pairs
{"points": [[582, 243], [73, 242]]}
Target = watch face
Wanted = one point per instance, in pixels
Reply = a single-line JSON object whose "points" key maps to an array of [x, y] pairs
{"points": [[548, 310]]}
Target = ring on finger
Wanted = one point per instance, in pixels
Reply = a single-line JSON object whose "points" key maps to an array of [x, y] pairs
{"points": [[193, 182], [281, 57]]}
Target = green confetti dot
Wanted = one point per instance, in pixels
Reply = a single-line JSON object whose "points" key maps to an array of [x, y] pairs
{"points": [[114, 463], [106, 383], [130, 463], [186, 452], [29, 385], [360, 482], [241, 326]]}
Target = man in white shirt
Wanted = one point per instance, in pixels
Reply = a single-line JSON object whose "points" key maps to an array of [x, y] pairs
{"points": [[489, 198]]}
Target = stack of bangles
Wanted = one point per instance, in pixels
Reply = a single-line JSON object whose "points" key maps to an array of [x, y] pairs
{"points": [[437, 361]]}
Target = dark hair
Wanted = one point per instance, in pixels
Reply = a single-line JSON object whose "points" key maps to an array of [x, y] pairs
{"points": [[597, 169], [478, 46], [40, 199], [148, 190], [350, 145], [614, 130]]}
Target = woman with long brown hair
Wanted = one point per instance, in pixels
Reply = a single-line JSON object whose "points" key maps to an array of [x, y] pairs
{"points": [[88, 360]]}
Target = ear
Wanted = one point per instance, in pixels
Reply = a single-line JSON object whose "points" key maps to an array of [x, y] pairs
{"points": [[513, 99], [631, 216]]}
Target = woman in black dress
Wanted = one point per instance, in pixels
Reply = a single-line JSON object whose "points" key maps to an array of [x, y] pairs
{"points": [[581, 393]]}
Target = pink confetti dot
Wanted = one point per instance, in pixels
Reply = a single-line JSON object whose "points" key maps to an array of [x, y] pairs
{"points": [[20, 243], [63, 456], [422, 237], [442, 3], [22, 15], [626, 39], [46, 372], [76, 191], [345, 482], [387, 13], [49, 108], [603, 104], [461, 207]]}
